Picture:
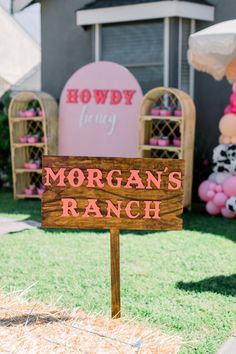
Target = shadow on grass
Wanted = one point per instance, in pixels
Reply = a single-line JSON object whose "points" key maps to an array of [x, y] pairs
{"points": [[29, 320], [224, 285], [200, 221], [16, 208]]}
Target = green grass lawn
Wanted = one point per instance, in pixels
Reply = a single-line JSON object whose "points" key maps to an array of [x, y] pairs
{"points": [[184, 281]]}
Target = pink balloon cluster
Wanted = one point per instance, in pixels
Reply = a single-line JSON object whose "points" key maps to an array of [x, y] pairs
{"points": [[216, 196], [231, 108]]}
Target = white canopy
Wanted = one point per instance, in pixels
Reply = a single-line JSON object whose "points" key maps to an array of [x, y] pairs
{"points": [[213, 50], [19, 53]]}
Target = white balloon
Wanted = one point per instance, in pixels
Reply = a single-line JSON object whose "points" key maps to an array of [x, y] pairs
{"points": [[212, 177], [221, 177]]}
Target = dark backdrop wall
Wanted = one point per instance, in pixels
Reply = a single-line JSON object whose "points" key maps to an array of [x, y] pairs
{"points": [[65, 46]]}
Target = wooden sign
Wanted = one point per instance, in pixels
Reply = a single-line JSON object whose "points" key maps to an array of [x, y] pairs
{"points": [[115, 194]]}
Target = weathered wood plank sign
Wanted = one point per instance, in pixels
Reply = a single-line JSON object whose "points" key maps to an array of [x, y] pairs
{"points": [[115, 194]]}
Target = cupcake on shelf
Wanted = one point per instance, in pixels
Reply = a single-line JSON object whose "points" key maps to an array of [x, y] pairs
{"points": [[23, 139], [164, 140], [166, 111], [32, 165], [30, 190], [33, 139], [155, 111], [153, 140], [40, 189], [177, 141]]}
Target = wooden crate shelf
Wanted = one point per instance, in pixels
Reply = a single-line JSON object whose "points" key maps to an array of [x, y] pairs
{"points": [[29, 170], [45, 125], [172, 126], [156, 147], [171, 118], [20, 145], [24, 196], [24, 119]]}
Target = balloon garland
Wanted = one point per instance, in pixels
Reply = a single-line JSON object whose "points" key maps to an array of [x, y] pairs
{"points": [[219, 191]]}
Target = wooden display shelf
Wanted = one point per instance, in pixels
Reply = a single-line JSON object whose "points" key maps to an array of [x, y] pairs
{"points": [[157, 147], [171, 118], [28, 170], [170, 126], [38, 145], [46, 125], [24, 196], [25, 119]]}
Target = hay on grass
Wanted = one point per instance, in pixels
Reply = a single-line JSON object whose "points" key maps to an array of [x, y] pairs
{"points": [[29, 327]]}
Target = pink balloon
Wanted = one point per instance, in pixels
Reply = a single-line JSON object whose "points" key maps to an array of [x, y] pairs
{"points": [[213, 186], [227, 109], [211, 194], [212, 209], [227, 213], [234, 87], [233, 99], [232, 109], [229, 186], [219, 189], [220, 199], [203, 189]]}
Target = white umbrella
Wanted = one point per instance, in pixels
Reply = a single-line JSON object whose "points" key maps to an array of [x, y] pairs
{"points": [[213, 50]]}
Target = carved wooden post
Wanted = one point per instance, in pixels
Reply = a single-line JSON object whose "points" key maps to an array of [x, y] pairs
{"points": [[115, 272]]}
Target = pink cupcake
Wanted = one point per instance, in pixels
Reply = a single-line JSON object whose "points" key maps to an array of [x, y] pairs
{"points": [[164, 141], [155, 111], [177, 142], [30, 113], [27, 165], [40, 190], [23, 139], [178, 113], [165, 112], [40, 112], [153, 140], [33, 139], [22, 114], [33, 166], [29, 191], [38, 163]]}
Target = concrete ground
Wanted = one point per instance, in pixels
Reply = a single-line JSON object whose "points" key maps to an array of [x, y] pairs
{"points": [[229, 347], [8, 225]]}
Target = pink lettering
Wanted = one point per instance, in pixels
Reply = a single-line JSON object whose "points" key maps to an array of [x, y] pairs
{"points": [[149, 210], [116, 97], [95, 176], [129, 207], [110, 179], [152, 179], [54, 176], [69, 205], [92, 208], [76, 177], [134, 179], [72, 96], [111, 208], [100, 96], [129, 94], [174, 181], [85, 96]]}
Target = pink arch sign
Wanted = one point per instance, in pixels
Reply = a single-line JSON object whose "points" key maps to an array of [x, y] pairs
{"points": [[99, 110]]}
